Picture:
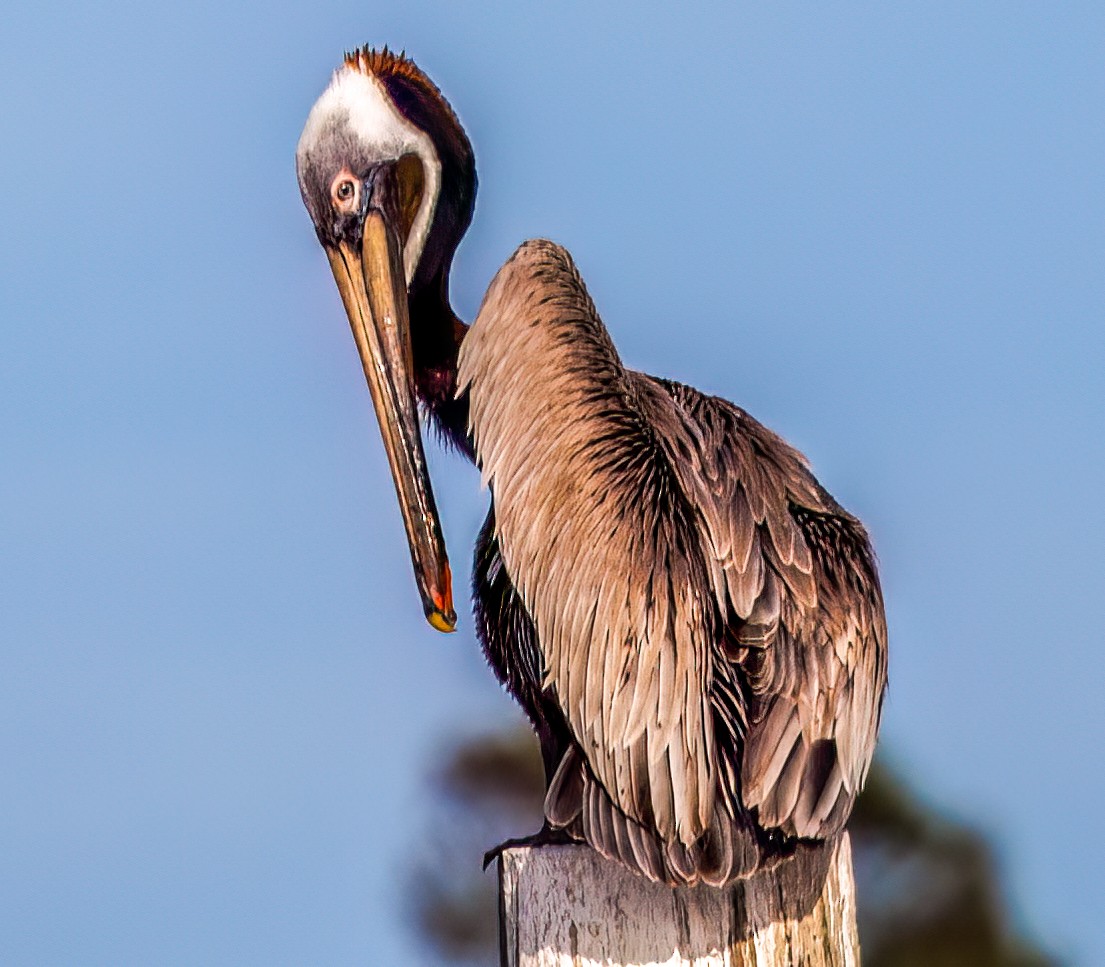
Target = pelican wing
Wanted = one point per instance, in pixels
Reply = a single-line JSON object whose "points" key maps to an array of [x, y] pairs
{"points": [[805, 639], [655, 538]]}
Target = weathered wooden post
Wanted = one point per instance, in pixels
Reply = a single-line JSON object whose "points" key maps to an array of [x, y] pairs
{"points": [[565, 906]]}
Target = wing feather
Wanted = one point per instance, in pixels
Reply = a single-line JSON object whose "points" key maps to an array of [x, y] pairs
{"points": [[812, 625]]}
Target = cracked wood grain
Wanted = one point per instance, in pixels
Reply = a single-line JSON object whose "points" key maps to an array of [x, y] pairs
{"points": [[565, 906]]}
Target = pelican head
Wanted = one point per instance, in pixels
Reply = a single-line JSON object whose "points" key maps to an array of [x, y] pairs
{"points": [[387, 176]]}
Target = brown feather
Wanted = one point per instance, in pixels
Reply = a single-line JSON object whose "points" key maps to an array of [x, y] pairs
{"points": [[564, 797]]}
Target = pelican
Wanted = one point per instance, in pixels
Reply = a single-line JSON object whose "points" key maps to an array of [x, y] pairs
{"points": [[692, 624]]}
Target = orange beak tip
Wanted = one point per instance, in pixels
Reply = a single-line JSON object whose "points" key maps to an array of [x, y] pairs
{"points": [[442, 622], [443, 617]]}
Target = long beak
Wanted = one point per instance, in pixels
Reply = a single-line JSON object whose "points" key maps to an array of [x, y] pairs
{"points": [[374, 291]]}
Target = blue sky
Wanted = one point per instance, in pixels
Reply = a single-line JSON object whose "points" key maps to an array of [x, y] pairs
{"points": [[879, 227]]}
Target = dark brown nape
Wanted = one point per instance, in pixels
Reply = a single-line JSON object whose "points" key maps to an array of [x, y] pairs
{"points": [[436, 332]]}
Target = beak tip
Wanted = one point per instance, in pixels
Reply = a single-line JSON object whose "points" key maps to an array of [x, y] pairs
{"points": [[443, 622], [439, 609]]}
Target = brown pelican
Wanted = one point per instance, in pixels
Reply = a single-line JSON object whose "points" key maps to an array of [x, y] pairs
{"points": [[693, 625]]}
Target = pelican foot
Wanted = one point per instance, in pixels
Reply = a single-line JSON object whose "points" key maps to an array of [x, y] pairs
{"points": [[545, 836]]}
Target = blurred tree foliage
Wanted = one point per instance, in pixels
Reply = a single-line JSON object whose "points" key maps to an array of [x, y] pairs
{"points": [[928, 889]]}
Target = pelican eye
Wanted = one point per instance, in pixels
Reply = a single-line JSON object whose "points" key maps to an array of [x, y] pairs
{"points": [[345, 193]]}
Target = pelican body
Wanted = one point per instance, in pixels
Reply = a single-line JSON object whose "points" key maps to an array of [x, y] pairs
{"points": [[692, 624]]}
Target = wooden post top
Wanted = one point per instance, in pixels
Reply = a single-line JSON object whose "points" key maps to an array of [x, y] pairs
{"points": [[566, 906]]}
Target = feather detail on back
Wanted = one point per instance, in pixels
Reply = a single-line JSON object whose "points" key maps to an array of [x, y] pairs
{"points": [[708, 618]]}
